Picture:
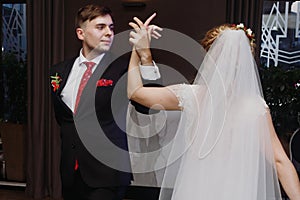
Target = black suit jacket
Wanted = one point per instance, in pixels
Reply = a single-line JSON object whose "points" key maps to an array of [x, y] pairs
{"points": [[106, 104]]}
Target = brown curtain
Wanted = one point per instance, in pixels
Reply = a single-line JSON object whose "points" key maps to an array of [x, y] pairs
{"points": [[45, 30], [248, 12]]}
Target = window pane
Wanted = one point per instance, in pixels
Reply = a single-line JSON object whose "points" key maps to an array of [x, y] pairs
{"points": [[280, 64], [281, 34], [13, 77]]}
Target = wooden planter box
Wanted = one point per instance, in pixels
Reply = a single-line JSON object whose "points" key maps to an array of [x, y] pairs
{"points": [[13, 139]]}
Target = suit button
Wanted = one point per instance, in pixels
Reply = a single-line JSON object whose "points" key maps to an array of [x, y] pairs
{"points": [[73, 146]]}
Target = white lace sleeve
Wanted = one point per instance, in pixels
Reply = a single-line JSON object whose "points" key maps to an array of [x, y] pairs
{"points": [[265, 104], [178, 91], [266, 107], [186, 94]]}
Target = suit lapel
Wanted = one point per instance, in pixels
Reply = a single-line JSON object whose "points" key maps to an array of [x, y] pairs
{"points": [[65, 74]]}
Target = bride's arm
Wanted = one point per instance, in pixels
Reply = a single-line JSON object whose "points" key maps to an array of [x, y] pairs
{"points": [[285, 169], [153, 97], [160, 98]]}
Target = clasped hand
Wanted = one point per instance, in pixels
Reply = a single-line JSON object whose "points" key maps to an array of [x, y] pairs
{"points": [[141, 36]]}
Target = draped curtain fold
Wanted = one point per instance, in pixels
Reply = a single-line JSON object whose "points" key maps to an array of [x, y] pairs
{"points": [[248, 12], [45, 31]]}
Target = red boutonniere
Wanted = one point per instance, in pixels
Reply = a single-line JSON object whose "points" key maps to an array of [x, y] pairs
{"points": [[55, 80], [104, 82]]}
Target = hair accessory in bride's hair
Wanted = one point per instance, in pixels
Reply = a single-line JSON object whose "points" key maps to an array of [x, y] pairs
{"points": [[247, 31]]}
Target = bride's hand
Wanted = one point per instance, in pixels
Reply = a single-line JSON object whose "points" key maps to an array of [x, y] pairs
{"points": [[141, 36]]}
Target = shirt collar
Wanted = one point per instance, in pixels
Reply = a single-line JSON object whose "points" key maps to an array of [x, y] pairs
{"points": [[83, 59]]}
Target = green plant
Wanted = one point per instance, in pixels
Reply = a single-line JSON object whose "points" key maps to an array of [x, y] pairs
{"points": [[281, 88], [13, 89]]}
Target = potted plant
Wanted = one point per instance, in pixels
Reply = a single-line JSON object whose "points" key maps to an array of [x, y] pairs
{"points": [[13, 113]]}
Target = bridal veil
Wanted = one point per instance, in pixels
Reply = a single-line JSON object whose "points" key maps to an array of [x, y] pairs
{"points": [[222, 148]]}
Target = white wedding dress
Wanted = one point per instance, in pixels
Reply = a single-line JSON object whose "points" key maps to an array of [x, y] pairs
{"points": [[222, 148]]}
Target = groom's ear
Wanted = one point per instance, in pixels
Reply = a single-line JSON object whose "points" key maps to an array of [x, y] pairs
{"points": [[143, 109], [80, 33]]}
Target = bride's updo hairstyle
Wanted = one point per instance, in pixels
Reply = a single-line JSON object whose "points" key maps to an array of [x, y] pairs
{"points": [[213, 33]]}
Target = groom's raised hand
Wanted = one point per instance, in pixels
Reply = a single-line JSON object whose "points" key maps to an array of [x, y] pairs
{"points": [[152, 29], [141, 36]]}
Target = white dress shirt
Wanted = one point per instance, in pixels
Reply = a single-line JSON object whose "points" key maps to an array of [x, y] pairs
{"points": [[69, 93], [150, 72]]}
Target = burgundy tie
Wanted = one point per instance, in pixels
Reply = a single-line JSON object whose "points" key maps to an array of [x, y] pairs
{"points": [[86, 76]]}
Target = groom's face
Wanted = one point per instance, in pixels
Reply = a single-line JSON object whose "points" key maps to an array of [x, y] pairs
{"points": [[97, 35]]}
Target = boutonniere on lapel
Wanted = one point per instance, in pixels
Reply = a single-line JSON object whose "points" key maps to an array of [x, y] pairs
{"points": [[55, 80], [104, 82]]}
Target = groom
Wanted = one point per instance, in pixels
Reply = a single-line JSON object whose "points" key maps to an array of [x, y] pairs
{"points": [[83, 176]]}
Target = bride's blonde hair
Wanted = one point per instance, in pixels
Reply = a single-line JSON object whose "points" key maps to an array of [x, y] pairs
{"points": [[213, 33]]}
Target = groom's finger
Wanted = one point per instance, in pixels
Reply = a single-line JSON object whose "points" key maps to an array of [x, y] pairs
{"points": [[155, 27], [153, 31], [156, 35], [147, 22], [134, 26], [139, 22]]}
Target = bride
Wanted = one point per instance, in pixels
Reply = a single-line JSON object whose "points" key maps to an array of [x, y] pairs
{"points": [[226, 143]]}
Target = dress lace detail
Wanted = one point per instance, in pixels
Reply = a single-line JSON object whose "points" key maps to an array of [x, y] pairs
{"points": [[186, 92], [178, 91]]}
